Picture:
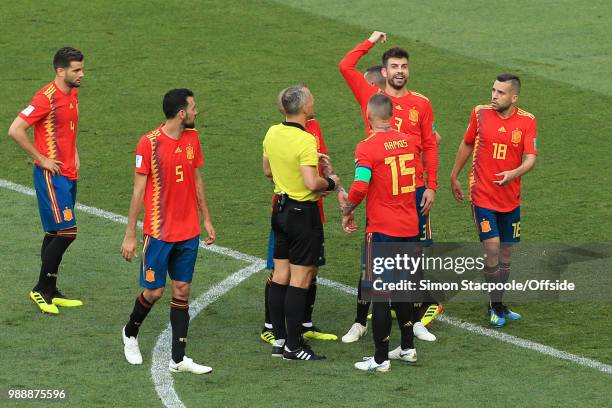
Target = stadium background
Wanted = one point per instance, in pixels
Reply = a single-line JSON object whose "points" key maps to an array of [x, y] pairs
{"points": [[236, 56]]}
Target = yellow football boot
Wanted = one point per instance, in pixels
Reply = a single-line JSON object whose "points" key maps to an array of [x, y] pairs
{"points": [[42, 304], [59, 299], [315, 333]]}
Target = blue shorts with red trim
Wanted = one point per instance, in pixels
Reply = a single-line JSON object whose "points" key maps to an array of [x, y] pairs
{"points": [[176, 258], [491, 224], [424, 222], [370, 251], [56, 199]]}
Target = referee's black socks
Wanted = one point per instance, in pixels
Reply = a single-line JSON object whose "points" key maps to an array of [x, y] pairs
{"points": [[295, 301], [311, 297], [268, 319], [276, 304]]}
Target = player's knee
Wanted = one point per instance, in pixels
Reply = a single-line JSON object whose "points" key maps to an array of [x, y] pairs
{"points": [[180, 290], [492, 248], [153, 295]]}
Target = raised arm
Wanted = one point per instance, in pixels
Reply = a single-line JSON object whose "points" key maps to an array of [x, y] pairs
{"points": [[360, 87]]}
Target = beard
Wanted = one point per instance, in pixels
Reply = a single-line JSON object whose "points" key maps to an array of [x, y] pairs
{"points": [[501, 108], [72, 84], [397, 83], [189, 124]]}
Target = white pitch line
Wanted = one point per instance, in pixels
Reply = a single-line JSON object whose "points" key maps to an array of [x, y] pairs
{"points": [[504, 337], [163, 380], [164, 384]]}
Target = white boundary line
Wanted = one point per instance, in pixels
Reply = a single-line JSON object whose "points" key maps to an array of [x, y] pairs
{"points": [[164, 384]]}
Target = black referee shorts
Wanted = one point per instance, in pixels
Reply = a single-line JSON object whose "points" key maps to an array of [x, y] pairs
{"points": [[298, 232]]}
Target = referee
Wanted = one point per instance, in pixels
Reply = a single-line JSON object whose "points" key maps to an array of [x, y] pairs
{"points": [[290, 159]]}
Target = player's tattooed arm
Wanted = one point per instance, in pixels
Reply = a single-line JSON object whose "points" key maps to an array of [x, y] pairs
{"points": [[348, 208]]}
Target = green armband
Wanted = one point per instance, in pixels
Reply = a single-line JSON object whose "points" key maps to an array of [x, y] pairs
{"points": [[363, 174]]}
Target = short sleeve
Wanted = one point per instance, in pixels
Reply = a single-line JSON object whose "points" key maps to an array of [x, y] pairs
{"points": [[530, 141], [199, 157], [143, 156], [308, 156], [470, 133], [263, 146], [38, 109]]}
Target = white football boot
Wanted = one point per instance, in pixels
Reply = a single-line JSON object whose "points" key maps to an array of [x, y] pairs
{"points": [[356, 331], [369, 364], [188, 366], [421, 332], [131, 349], [409, 355]]}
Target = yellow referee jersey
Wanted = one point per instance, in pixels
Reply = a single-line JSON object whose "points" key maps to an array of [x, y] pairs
{"points": [[287, 147]]}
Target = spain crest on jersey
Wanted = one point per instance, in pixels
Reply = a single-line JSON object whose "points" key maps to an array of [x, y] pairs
{"points": [[516, 136], [150, 275], [190, 154], [413, 115]]}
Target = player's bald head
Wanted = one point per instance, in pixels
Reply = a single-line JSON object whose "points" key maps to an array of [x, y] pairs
{"points": [[380, 107]]}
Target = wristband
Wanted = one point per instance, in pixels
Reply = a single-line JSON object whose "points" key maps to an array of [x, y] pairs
{"points": [[331, 184]]}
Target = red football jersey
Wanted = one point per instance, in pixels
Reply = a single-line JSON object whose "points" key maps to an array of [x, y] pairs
{"points": [[392, 158], [55, 117], [312, 127], [499, 145], [171, 203], [412, 113]]}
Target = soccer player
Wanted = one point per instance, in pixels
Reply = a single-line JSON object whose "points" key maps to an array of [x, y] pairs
{"points": [[385, 168], [412, 114], [498, 137], [309, 330], [291, 161], [429, 310], [167, 181], [54, 113]]}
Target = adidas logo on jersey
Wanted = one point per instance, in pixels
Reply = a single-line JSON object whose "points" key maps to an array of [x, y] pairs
{"points": [[178, 150], [502, 129]]}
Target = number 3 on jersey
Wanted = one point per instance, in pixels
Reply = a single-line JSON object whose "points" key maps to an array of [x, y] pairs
{"points": [[398, 123], [179, 173], [403, 170]]}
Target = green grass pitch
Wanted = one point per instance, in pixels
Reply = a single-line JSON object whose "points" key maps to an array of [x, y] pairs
{"points": [[236, 56]]}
